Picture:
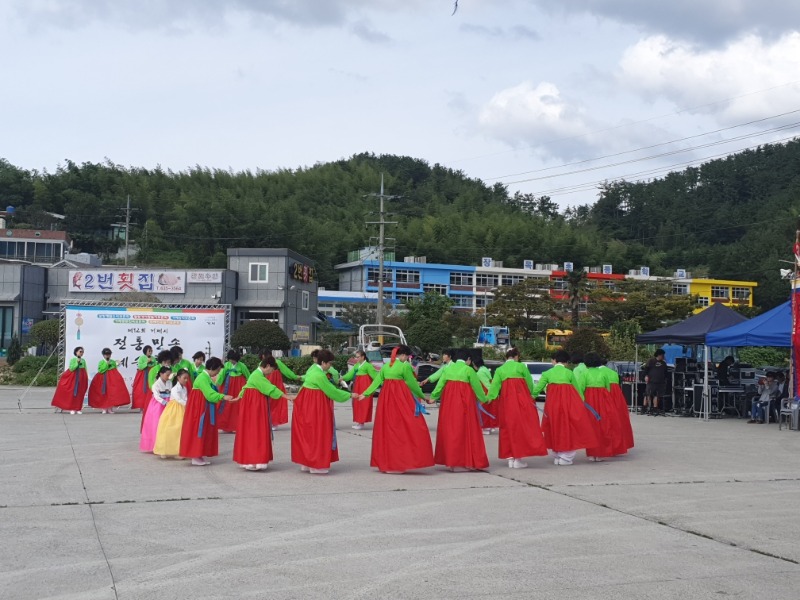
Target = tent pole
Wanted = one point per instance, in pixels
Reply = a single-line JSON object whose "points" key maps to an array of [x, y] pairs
{"points": [[706, 387]]}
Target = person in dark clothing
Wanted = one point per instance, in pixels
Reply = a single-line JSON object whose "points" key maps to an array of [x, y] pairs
{"points": [[655, 376], [723, 371]]}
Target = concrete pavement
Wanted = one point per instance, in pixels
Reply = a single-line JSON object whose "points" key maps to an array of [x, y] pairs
{"points": [[700, 510]]}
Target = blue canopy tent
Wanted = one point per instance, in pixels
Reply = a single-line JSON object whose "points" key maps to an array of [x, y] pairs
{"points": [[773, 328]]}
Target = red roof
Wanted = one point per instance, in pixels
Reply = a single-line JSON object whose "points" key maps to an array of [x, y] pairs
{"points": [[34, 234]]}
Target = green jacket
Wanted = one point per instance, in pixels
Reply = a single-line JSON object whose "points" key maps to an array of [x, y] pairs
{"points": [[511, 369], [398, 371], [257, 381], [144, 361], [460, 371], [204, 384], [106, 365], [77, 363], [558, 374], [364, 368], [434, 377], [593, 377], [316, 379]]}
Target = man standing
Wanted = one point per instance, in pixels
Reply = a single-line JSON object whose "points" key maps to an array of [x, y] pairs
{"points": [[655, 378]]}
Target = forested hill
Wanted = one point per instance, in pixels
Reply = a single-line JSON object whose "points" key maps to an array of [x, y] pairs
{"points": [[731, 218]]}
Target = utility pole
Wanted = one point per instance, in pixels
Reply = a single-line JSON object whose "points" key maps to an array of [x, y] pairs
{"points": [[381, 247], [127, 228]]}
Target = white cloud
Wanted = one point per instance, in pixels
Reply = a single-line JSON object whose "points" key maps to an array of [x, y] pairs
{"points": [[538, 116], [697, 79]]}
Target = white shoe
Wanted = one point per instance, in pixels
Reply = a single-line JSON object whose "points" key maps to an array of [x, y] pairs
{"points": [[262, 466], [80, 412], [111, 410], [510, 463], [358, 426], [318, 471], [274, 428], [200, 462], [595, 459], [304, 468], [562, 462], [393, 472], [250, 468], [163, 456], [518, 464], [487, 432], [72, 412], [105, 412], [495, 429]]}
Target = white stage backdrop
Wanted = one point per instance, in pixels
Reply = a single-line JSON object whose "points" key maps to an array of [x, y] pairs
{"points": [[126, 330]]}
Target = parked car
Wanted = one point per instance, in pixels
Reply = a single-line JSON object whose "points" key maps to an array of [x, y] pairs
{"points": [[536, 369]]}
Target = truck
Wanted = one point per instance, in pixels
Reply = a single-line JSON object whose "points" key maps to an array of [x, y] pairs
{"points": [[496, 336]]}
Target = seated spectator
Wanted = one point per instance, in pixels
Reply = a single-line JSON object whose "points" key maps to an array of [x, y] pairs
{"points": [[760, 406]]}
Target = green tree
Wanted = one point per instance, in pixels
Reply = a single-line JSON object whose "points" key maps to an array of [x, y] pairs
{"points": [[522, 307], [46, 333], [358, 314], [586, 339], [14, 351], [577, 289], [431, 335], [431, 306], [258, 335], [650, 304]]}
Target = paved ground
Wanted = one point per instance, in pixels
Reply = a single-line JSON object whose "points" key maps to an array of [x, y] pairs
{"points": [[697, 510]]}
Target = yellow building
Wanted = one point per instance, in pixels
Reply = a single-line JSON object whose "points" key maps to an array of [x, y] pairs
{"points": [[724, 291]]}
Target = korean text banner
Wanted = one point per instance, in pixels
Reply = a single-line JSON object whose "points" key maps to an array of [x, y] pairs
{"points": [[128, 280], [126, 331]]}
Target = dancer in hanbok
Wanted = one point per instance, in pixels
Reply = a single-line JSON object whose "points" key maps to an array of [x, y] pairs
{"points": [[279, 408], [490, 419], [164, 359], [168, 436], [362, 374], [567, 423], [594, 386], [400, 438], [158, 401], [199, 434], [108, 389], [512, 392], [447, 360], [459, 441], [199, 360], [72, 385], [621, 406], [252, 448], [231, 381], [314, 443], [140, 390]]}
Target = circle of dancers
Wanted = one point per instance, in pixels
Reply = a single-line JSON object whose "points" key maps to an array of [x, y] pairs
{"points": [[186, 404]]}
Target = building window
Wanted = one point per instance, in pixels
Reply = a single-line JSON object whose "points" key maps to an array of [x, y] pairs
{"points": [[459, 278], [610, 285], [482, 301], [259, 272], [437, 288], [484, 280], [373, 274], [251, 315], [512, 279], [680, 289], [559, 284], [406, 276], [404, 297], [741, 294], [462, 301], [306, 300], [720, 292], [702, 301]]}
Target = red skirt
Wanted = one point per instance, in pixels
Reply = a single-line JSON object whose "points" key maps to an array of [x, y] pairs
{"points": [[609, 435], [362, 409], [228, 413], [108, 390], [140, 391], [314, 442], [199, 440], [400, 441], [520, 433], [279, 409], [567, 423], [71, 390], [493, 407], [621, 406], [459, 441], [253, 443]]}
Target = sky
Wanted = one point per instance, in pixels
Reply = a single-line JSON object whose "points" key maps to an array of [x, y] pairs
{"points": [[548, 97]]}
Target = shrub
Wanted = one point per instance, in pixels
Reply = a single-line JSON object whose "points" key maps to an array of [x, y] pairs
{"points": [[431, 335], [14, 351], [257, 335], [586, 340], [762, 357], [46, 332], [27, 367]]}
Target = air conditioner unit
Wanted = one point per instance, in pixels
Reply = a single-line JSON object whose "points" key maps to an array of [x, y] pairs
{"points": [[498, 264], [594, 269], [409, 259], [551, 267], [422, 259], [586, 270], [634, 272]]}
